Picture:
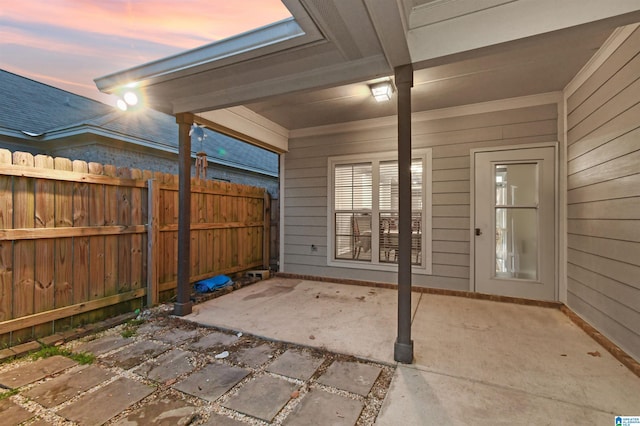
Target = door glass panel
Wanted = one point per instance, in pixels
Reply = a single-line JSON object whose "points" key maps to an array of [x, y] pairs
{"points": [[516, 184], [517, 243]]}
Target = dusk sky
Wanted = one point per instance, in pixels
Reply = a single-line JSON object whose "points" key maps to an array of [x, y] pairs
{"points": [[68, 43]]}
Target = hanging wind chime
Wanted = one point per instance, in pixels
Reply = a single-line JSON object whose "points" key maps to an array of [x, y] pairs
{"points": [[201, 156]]}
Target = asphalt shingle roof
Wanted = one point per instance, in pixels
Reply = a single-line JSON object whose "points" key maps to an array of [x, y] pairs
{"points": [[29, 106]]}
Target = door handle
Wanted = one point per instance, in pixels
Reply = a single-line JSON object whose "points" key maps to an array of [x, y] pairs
{"points": [[478, 232]]}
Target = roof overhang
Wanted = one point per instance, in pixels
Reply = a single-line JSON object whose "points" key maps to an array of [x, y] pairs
{"points": [[318, 62]]}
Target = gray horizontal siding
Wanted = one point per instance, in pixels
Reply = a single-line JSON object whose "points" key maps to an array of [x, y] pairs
{"points": [[451, 140], [603, 271]]}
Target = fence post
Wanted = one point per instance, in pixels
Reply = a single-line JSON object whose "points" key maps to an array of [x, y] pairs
{"points": [[266, 233], [153, 238]]}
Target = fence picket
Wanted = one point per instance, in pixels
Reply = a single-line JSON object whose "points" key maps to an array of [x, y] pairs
{"points": [[96, 243], [80, 244], [6, 247], [23, 251], [111, 241], [136, 239], [44, 248]]}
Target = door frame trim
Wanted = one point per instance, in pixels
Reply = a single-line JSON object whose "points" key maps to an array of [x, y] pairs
{"points": [[472, 211]]}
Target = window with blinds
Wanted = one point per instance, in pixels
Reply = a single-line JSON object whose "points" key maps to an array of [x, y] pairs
{"points": [[365, 210], [353, 189]]}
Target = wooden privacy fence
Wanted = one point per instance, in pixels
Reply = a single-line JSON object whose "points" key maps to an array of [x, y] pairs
{"points": [[78, 239]]}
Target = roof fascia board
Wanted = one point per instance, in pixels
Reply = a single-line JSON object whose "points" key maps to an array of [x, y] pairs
{"points": [[436, 114], [507, 22], [242, 120], [281, 35], [98, 131]]}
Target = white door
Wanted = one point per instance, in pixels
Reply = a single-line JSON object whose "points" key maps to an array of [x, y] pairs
{"points": [[514, 223]]}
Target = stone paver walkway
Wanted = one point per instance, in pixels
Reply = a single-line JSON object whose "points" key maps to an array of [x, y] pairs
{"points": [[167, 373]]}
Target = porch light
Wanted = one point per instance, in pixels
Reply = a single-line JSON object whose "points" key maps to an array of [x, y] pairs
{"points": [[382, 91], [131, 98], [127, 99]]}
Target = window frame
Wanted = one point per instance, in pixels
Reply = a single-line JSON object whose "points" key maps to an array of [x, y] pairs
{"points": [[425, 154]]}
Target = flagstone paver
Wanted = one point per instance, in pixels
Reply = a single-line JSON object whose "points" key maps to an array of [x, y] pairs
{"points": [[135, 354], [35, 371], [167, 366], [262, 397], [97, 407], [256, 356], [149, 328], [351, 376], [67, 385], [103, 345], [13, 414], [212, 381], [295, 364], [214, 340], [167, 411], [176, 336], [219, 420], [323, 408]]}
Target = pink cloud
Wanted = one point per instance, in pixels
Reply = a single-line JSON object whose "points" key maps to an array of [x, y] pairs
{"points": [[185, 24]]}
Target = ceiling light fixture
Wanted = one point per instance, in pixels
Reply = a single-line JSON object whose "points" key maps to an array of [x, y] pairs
{"points": [[382, 91]]}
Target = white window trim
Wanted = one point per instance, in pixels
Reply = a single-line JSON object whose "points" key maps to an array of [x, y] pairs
{"points": [[426, 268]]}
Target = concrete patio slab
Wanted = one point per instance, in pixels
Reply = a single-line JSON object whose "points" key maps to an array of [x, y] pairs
{"points": [[97, 407], [295, 364], [214, 341], [35, 371], [13, 414], [525, 348], [135, 354], [262, 398], [67, 385], [355, 320], [103, 345], [422, 398], [254, 357], [323, 408], [167, 366], [212, 381], [166, 411], [352, 377]]}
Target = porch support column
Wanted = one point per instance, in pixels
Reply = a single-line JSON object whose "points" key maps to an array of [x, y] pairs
{"points": [[403, 350], [183, 301]]}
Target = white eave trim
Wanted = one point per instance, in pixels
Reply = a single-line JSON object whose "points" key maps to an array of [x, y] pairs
{"points": [[242, 120], [274, 37], [436, 114]]}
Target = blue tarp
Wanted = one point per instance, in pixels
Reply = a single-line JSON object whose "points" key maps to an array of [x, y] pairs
{"points": [[213, 283]]}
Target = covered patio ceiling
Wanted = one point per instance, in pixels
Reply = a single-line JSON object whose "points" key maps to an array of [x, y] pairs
{"points": [[313, 69]]}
